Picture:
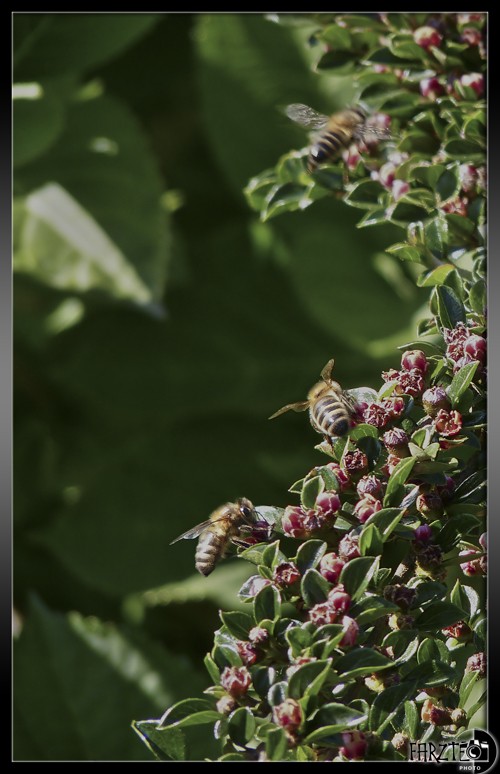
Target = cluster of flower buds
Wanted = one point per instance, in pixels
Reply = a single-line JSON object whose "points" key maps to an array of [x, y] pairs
{"points": [[402, 596], [463, 346], [429, 561]]}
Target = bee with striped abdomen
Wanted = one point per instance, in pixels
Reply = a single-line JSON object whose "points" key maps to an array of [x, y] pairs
{"points": [[333, 133], [226, 524], [331, 409]]}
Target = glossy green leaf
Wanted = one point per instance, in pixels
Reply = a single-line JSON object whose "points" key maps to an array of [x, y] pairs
{"points": [[412, 719], [361, 661], [237, 622], [461, 381], [450, 308], [370, 541], [314, 588], [267, 604], [371, 609], [357, 574], [308, 679], [388, 703], [331, 719], [312, 488], [276, 744], [309, 554], [38, 123], [241, 726], [438, 615], [466, 598], [397, 478]]}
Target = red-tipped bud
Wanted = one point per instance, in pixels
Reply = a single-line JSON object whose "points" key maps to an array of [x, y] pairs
{"points": [[399, 188], [456, 206], [394, 406], [438, 716], [369, 485], [247, 652], [483, 541], [423, 534], [328, 503], [349, 547], [470, 18], [467, 174], [459, 631], [339, 599], [352, 157], [396, 442], [288, 715], [323, 613], [455, 339], [434, 399], [471, 567], [367, 507], [286, 574], [447, 423], [427, 37], [477, 663], [355, 461], [236, 681], [475, 348], [298, 523], [340, 474], [414, 358], [410, 383], [430, 88], [330, 567], [474, 81], [351, 631], [471, 36], [226, 705], [387, 174], [258, 635], [354, 745]]}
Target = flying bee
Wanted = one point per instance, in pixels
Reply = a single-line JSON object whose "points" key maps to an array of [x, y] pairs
{"points": [[227, 524], [331, 409], [333, 133]]}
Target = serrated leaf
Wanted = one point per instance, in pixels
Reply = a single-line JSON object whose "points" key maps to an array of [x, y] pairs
{"points": [[461, 381], [357, 574]]}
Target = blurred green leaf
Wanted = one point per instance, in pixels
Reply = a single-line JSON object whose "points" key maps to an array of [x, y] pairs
{"points": [[37, 125]]}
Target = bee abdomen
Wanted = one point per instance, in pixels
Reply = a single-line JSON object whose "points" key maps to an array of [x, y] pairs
{"points": [[326, 147], [208, 552], [330, 417]]}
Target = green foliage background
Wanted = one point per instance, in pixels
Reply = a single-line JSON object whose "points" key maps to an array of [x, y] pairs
{"points": [[152, 341]]}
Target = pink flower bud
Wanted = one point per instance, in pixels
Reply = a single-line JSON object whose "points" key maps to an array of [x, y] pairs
{"points": [[247, 652], [330, 567], [477, 663], [427, 37], [394, 406], [434, 399], [399, 189], [471, 567], [286, 574], [354, 745], [460, 631], [392, 461], [483, 541], [430, 713], [236, 681], [387, 174], [463, 361], [226, 705], [257, 585], [423, 534], [348, 547], [414, 358], [355, 461], [430, 88], [296, 522], [474, 81], [351, 631], [467, 174], [352, 157], [396, 442], [455, 339], [323, 613], [475, 347], [376, 415], [447, 423], [410, 382], [470, 18], [340, 474], [458, 206], [258, 635], [328, 503], [288, 715], [339, 599], [366, 507], [369, 485], [472, 36]]}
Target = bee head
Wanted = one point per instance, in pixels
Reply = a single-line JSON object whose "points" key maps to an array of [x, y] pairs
{"points": [[246, 508]]}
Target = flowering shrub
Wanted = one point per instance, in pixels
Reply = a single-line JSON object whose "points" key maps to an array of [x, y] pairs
{"points": [[371, 631]]}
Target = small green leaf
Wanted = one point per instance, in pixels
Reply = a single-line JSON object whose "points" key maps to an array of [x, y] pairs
{"points": [[357, 574], [212, 668], [365, 194], [309, 554], [436, 276], [397, 478], [468, 681], [263, 678], [430, 649], [450, 308], [388, 703], [308, 679], [331, 719], [466, 598], [267, 604], [342, 62], [363, 431], [237, 623], [312, 488], [276, 744], [406, 252], [412, 719], [370, 541], [241, 726], [386, 520], [277, 693], [299, 639], [478, 297], [165, 743], [361, 661], [432, 673], [461, 381], [371, 608], [438, 615], [314, 588]]}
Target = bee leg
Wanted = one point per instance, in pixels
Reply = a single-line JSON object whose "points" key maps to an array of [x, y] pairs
{"points": [[240, 542]]}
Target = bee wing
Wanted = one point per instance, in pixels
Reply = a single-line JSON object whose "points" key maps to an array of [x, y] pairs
{"points": [[306, 116], [194, 531], [300, 406], [326, 373], [366, 131], [362, 395]]}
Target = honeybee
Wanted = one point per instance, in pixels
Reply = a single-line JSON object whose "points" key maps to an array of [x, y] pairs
{"points": [[226, 524], [331, 409], [333, 133]]}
